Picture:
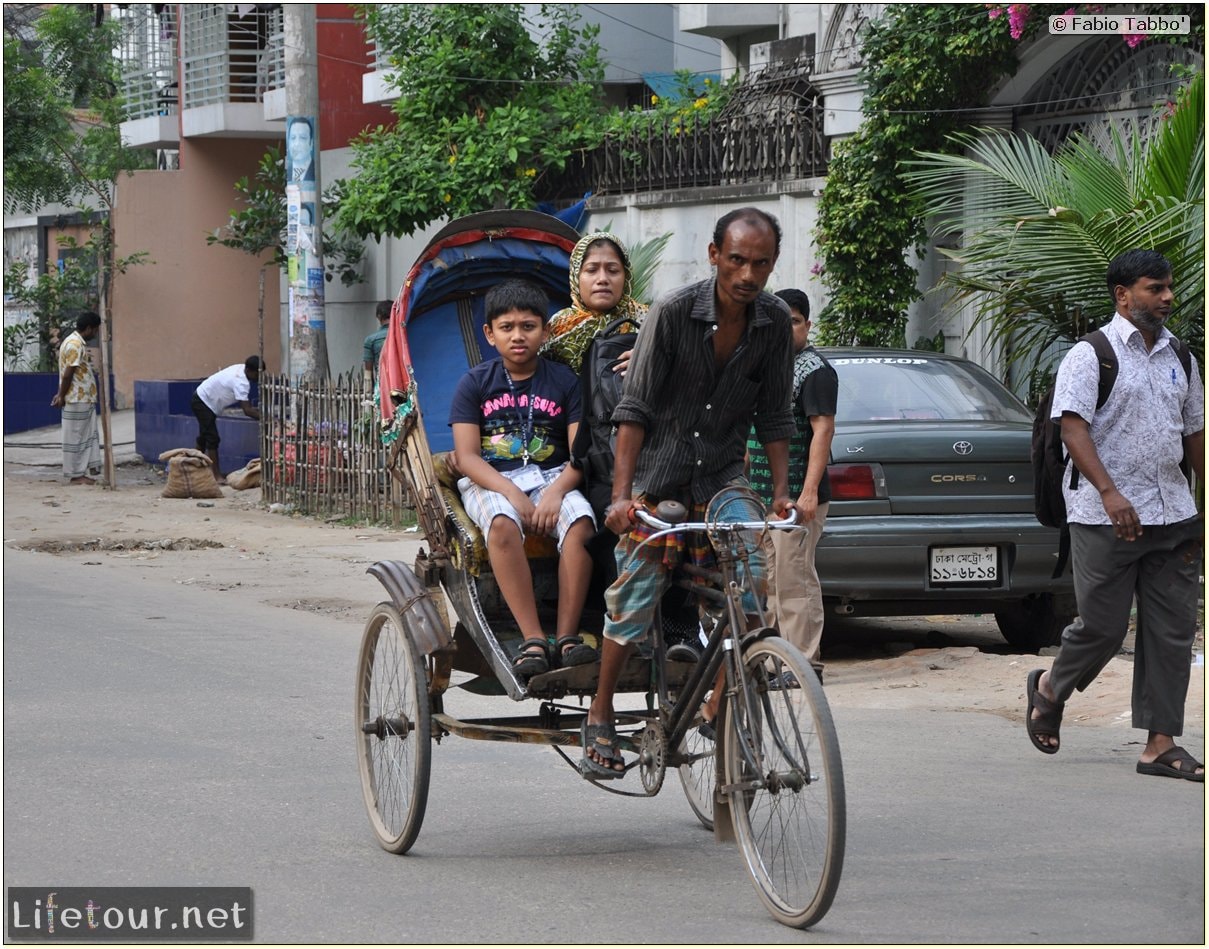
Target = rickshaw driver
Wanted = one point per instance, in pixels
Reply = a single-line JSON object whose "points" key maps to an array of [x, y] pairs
{"points": [[709, 359]]}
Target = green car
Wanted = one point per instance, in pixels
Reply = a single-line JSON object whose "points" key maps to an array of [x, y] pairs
{"points": [[932, 498]]}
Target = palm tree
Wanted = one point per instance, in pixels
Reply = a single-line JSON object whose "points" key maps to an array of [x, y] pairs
{"points": [[1036, 231]]}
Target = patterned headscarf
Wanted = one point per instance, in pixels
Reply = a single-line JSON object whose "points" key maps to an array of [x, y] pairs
{"points": [[573, 328]]}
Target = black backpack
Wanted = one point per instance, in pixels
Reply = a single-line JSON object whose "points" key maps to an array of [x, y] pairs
{"points": [[1048, 454], [600, 393]]}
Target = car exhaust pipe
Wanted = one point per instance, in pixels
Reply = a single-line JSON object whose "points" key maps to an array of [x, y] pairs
{"points": [[845, 608]]}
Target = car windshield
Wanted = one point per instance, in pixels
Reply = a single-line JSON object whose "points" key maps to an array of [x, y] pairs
{"points": [[920, 388]]}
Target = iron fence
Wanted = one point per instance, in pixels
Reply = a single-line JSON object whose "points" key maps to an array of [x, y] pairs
{"points": [[776, 145], [321, 452]]}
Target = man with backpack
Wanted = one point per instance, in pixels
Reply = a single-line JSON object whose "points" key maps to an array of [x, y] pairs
{"points": [[1134, 530]]}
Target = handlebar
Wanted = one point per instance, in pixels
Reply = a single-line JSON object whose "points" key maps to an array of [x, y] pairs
{"points": [[673, 513]]}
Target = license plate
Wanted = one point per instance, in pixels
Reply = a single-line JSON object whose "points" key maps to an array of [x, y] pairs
{"points": [[964, 565]]}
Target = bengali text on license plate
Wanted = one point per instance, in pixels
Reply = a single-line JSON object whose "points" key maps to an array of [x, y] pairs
{"points": [[964, 565]]}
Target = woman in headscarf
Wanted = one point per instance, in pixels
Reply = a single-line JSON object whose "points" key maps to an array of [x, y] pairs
{"points": [[601, 281], [600, 294]]}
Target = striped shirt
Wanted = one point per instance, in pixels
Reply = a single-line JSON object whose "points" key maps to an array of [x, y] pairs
{"points": [[696, 417]]}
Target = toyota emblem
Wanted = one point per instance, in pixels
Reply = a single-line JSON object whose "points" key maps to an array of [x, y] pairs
{"points": [[963, 448]]}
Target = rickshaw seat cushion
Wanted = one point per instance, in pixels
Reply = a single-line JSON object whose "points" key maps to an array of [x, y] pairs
{"points": [[536, 546]]}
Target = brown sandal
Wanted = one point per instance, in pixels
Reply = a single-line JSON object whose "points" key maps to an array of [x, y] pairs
{"points": [[1047, 723]]}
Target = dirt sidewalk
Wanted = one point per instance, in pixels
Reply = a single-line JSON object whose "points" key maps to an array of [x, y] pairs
{"points": [[234, 547]]}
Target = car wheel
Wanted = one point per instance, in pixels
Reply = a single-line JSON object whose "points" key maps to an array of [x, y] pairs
{"points": [[1033, 623]]}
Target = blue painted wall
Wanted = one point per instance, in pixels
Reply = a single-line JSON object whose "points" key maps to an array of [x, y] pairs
{"points": [[27, 398], [163, 420]]}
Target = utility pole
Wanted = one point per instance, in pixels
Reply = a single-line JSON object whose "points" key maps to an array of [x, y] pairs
{"points": [[307, 324]]}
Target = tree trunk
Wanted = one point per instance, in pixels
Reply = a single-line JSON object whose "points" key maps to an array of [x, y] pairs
{"points": [[103, 335], [260, 318]]}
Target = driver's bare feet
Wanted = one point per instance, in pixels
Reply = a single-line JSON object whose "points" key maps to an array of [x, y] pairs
{"points": [[83, 479]]}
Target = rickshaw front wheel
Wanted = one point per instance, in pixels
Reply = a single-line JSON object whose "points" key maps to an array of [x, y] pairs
{"points": [[394, 729]]}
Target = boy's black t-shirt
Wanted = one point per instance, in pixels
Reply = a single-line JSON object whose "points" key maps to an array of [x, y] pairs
{"points": [[483, 397]]}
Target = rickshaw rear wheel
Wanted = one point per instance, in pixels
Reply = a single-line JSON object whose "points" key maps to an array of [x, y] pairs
{"points": [[394, 729]]}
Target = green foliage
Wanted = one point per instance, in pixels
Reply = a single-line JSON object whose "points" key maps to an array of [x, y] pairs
{"points": [[17, 337], [644, 261], [484, 112], [694, 101], [924, 63], [921, 62], [34, 170], [57, 297], [935, 344], [691, 106], [62, 116], [260, 225], [1038, 231]]}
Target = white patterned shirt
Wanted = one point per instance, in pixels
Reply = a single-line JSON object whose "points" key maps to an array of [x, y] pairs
{"points": [[74, 353], [1138, 433]]}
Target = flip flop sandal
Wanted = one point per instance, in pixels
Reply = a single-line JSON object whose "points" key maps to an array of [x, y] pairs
{"points": [[528, 661], [579, 653], [604, 742], [1165, 765], [1048, 721]]}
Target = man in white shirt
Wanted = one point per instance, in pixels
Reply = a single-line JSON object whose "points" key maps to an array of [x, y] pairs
{"points": [[1133, 521], [230, 386]]}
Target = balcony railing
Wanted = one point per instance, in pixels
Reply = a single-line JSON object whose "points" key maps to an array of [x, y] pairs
{"points": [[147, 57], [775, 145], [229, 55]]}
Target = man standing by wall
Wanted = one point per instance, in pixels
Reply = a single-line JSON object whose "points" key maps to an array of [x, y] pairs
{"points": [[371, 349], [795, 597], [77, 396], [1133, 525]]}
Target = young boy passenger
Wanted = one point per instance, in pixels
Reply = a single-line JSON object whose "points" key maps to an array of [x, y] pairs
{"points": [[513, 421]]}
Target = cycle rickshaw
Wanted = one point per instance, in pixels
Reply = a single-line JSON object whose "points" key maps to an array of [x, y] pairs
{"points": [[767, 775]]}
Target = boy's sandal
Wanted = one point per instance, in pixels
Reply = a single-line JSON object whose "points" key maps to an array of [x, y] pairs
{"points": [[573, 651], [533, 659]]}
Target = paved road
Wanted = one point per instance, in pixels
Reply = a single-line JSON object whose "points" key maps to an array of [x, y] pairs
{"points": [[159, 734]]}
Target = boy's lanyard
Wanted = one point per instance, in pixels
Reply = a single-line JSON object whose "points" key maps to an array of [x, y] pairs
{"points": [[526, 426]]}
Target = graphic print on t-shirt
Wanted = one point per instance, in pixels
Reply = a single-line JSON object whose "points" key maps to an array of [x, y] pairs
{"points": [[509, 419], [509, 425]]}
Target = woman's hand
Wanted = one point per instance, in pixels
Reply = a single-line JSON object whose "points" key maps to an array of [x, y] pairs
{"points": [[623, 362]]}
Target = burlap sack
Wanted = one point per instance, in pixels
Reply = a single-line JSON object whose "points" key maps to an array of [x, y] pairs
{"points": [[246, 477], [189, 475]]}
